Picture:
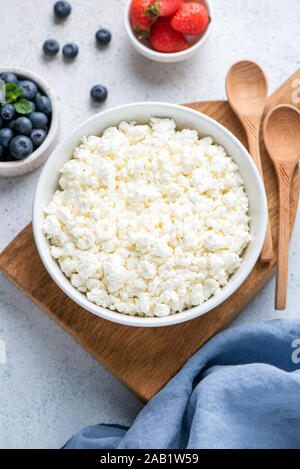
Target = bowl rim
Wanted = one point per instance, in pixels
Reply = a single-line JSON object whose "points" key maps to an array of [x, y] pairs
{"points": [[137, 321], [30, 161], [155, 55]]}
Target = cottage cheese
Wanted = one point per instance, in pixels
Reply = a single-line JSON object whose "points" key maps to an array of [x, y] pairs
{"points": [[148, 220]]}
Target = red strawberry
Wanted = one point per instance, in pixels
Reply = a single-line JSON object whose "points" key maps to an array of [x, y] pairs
{"points": [[165, 39], [191, 18], [168, 7], [144, 13], [140, 17]]}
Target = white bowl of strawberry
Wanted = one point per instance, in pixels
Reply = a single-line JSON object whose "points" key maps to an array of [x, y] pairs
{"points": [[168, 30]]}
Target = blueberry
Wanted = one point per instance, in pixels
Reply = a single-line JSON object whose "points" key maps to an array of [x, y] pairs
{"points": [[23, 126], [43, 104], [103, 36], [51, 47], [30, 89], [33, 106], [11, 124], [39, 120], [1, 123], [99, 93], [70, 50], [8, 112], [9, 78], [1, 151], [62, 9], [5, 136], [20, 147], [38, 136]]}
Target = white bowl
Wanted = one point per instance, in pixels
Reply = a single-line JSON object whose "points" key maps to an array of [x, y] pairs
{"points": [[39, 156], [146, 50], [141, 113]]}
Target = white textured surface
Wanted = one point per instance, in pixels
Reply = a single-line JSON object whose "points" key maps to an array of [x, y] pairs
{"points": [[151, 258], [50, 387]]}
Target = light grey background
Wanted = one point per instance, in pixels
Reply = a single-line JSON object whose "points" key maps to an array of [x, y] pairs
{"points": [[50, 387]]}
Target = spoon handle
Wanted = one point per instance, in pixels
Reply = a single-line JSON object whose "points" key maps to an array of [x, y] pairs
{"points": [[266, 254], [283, 244]]}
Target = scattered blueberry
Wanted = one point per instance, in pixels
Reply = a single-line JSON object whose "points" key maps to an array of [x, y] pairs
{"points": [[43, 104], [11, 124], [8, 112], [1, 151], [33, 106], [99, 93], [9, 78], [30, 89], [51, 47], [23, 126], [1, 122], [5, 136], [62, 9], [38, 136], [70, 50], [20, 147], [103, 36], [39, 120]]}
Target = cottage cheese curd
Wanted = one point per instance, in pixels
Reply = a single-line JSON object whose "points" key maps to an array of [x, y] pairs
{"points": [[148, 220]]}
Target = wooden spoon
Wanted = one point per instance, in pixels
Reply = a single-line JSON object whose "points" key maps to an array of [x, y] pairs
{"points": [[247, 92], [282, 139]]}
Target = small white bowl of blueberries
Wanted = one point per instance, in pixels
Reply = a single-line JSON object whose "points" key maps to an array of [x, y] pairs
{"points": [[28, 121]]}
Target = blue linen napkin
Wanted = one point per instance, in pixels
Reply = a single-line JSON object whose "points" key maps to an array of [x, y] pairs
{"points": [[241, 390]]}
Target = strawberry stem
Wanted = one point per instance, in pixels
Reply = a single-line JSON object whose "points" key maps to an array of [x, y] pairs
{"points": [[141, 34], [152, 11]]}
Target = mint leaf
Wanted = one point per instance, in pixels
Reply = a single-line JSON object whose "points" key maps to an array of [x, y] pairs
{"points": [[10, 88], [12, 92], [23, 106], [9, 100], [19, 92]]}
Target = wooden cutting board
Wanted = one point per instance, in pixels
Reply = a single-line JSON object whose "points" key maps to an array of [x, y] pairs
{"points": [[145, 359]]}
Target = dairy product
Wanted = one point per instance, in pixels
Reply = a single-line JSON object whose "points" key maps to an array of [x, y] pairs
{"points": [[148, 220]]}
